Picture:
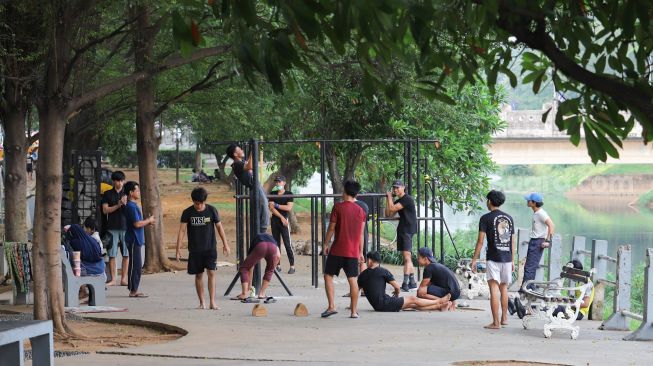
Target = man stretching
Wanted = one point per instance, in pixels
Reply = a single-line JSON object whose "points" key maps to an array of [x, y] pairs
{"points": [[346, 222], [243, 171], [405, 206], [373, 281]]}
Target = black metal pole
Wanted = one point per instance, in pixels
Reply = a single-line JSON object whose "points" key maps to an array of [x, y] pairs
{"points": [[323, 191], [441, 230], [409, 175], [254, 222]]}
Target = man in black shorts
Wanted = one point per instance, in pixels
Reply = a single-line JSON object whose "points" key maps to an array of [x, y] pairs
{"points": [[243, 171], [405, 206], [373, 281], [346, 223], [200, 222], [438, 281]]}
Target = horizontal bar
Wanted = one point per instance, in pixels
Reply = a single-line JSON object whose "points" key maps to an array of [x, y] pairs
{"points": [[311, 195], [607, 258], [628, 314], [428, 218], [584, 251]]}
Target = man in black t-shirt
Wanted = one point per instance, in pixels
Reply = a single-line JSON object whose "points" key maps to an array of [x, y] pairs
{"points": [[437, 280], [373, 281], [200, 221], [280, 206], [498, 228], [113, 202], [243, 171], [405, 206]]}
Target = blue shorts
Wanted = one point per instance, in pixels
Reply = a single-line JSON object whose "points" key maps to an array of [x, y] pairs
{"points": [[118, 237]]}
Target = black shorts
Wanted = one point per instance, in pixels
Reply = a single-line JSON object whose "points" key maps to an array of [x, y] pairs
{"points": [[404, 242], [335, 263], [390, 304], [199, 261]]}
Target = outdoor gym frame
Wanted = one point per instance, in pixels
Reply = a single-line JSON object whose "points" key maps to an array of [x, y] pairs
{"points": [[416, 175]]}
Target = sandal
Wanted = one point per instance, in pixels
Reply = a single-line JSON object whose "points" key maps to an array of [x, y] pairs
{"points": [[139, 294], [237, 298], [270, 300], [354, 316], [327, 313], [250, 300]]}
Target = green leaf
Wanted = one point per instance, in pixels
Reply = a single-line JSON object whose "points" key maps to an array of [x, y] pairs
{"points": [[537, 83]]}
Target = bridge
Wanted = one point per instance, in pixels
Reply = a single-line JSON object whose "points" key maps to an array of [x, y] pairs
{"points": [[526, 140]]}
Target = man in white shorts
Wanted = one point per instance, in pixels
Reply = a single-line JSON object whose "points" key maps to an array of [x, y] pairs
{"points": [[499, 228]]}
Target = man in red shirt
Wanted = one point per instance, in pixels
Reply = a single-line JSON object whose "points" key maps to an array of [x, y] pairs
{"points": [[347, 223]]}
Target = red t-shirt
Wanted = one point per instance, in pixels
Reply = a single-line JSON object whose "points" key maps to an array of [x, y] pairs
{"points": [[348, 217]]}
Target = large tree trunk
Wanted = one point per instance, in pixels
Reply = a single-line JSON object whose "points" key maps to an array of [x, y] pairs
{"points": [[15, 183], [47, 232], [147, 145], [198, 158], [332, 167]]}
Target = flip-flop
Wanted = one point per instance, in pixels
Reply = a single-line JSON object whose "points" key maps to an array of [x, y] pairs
{"points": [[237, 298], [270, 300], [250, 300], [140, 294], [327, 313], [354, 316]]}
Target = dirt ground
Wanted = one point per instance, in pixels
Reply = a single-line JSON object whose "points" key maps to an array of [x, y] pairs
{"points": [[174, 199]]}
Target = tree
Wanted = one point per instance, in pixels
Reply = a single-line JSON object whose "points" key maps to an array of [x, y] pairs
{"points": [[21, 53], [569, 43], [58, 99]]}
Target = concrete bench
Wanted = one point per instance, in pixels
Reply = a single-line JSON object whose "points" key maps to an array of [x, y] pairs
{"points": [[544, 297], [14, 332], [72, 284]]}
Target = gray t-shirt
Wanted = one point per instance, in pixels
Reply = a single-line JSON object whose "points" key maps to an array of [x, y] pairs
{"points": [[539, 228]]}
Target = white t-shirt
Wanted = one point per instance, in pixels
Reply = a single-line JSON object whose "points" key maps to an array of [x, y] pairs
{"points": [[539, 228]]}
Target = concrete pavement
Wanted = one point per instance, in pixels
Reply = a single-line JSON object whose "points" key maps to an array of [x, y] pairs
{"points": [[232, 336]]}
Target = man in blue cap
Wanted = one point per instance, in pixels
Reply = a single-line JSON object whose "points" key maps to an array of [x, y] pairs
{"points": [[542, 230], [438, 281]]}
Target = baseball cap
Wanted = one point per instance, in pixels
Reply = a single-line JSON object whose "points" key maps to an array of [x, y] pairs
{"points": [[398, 183], [279, 178], [426, 253], [534, 196], [375, 256]]}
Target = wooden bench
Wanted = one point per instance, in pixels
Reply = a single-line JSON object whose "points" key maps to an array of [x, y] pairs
{"points": [[544, 297], [14, 332], [72, 284]]}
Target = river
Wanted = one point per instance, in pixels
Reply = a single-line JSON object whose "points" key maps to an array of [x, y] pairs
{"points": [[595, 216]]}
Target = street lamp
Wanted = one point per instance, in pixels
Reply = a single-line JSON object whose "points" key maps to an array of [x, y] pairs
{"points": [[177, 140]]}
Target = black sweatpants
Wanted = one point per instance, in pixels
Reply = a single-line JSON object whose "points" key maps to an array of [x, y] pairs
{"points": [[135, 267], [279, 231]]}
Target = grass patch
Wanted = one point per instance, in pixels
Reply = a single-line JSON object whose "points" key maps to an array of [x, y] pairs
{"points": [[222, 206], [629, 169]]}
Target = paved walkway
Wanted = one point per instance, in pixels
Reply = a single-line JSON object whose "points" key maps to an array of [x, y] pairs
{"points": [[232, 336]]}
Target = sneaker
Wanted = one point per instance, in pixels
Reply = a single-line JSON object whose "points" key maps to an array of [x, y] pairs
{"points": [[412, 285], [405, 287], [291, 270]]}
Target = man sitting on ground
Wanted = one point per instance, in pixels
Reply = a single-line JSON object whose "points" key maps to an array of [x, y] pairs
{"points": [[373, 281], [437, 279]]}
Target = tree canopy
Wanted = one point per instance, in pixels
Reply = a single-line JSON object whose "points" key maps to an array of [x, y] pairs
{"points": [[596, 54]]}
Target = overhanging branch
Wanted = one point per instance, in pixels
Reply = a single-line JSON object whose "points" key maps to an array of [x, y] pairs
{"points": [[117, 84]]}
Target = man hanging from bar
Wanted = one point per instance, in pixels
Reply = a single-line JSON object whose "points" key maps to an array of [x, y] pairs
{"points": [[243, 171]]}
